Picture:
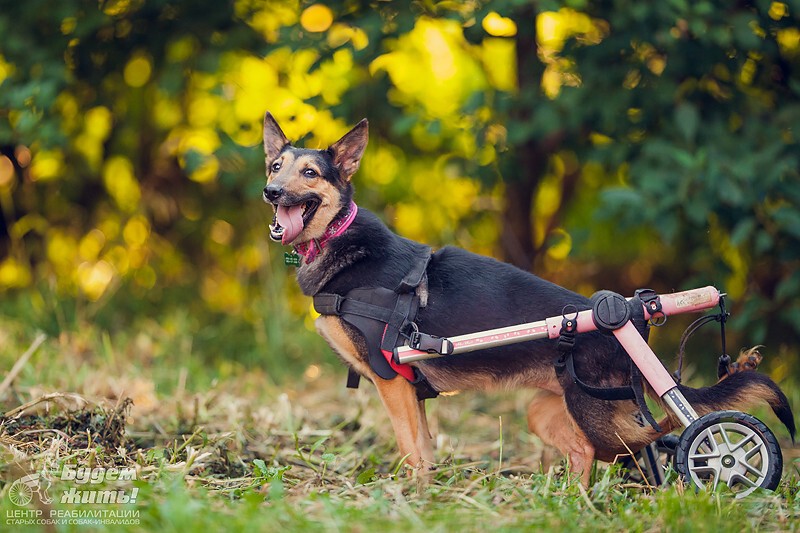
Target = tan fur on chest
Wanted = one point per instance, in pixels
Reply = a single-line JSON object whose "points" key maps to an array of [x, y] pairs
{"points": [[333, 331]]}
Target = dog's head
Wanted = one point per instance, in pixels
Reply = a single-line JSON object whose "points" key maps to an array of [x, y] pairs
{"points": [[308, 188]]}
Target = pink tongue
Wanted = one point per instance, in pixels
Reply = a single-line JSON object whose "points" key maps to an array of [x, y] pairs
{"points": [[291, 219]]}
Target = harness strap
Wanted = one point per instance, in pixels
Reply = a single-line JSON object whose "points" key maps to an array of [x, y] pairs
{"points": [[328, 303], [405, 310], [601, 393], [333, 304], [638, 391], [414, 277], [353, 378], [634, 391]]}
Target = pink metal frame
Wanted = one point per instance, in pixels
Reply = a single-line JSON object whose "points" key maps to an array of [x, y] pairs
{"points": [[632, 342]]}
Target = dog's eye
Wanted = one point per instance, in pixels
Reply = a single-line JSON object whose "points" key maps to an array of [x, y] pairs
{"points": [[310, 173], [276, 166]]}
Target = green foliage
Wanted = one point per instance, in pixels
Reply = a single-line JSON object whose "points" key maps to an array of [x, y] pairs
{"points": [[647, 144], [705, 130]]}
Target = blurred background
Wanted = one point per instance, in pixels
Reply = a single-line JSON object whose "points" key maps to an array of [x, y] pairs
{"points": [[597, 143]]}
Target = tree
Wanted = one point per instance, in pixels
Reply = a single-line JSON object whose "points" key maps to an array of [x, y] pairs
{"points": [[639, 143]]}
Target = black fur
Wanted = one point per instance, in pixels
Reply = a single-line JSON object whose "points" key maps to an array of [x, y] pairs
{"points": [[719, 395]]}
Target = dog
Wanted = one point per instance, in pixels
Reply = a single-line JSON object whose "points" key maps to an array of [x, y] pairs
{"points": [[460, 292]]}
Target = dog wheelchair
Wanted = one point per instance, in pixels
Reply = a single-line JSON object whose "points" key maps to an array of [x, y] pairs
{"points": [[723, 447]]}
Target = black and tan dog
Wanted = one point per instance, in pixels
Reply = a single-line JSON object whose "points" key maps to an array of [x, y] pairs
{"points": [[461, 293]]}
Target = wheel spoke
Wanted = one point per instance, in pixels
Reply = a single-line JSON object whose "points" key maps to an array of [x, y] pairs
{"points": [[704, 469], [703, 456], [711, 444], [702, 474], [750, 436], [724, 434], [755, 471], [755, 450], [744, 480], [715, 484]]}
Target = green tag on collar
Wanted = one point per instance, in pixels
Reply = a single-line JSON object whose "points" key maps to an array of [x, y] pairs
{"points": [[291, 259]]}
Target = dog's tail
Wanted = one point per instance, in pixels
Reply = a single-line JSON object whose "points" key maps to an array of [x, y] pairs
{"points": [[739, 392]]}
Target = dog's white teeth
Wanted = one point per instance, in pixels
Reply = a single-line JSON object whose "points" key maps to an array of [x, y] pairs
{"points": [[275, 229]]}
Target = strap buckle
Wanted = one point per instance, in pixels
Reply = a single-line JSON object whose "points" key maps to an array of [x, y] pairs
{"points": [[569, 320], [652, 302], [430, 343]]}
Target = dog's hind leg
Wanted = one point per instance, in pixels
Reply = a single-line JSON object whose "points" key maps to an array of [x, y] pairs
{"points": [[549, 419]]}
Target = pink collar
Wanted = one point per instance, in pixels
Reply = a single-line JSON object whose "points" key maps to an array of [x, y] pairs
{"points": [[310, 249]]}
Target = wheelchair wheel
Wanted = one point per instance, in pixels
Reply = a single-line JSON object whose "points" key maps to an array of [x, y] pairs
{"points": [[730, 448], [20, 493]]}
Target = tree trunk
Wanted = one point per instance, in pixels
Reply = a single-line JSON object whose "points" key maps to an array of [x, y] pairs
{"points": [[526, 164]]}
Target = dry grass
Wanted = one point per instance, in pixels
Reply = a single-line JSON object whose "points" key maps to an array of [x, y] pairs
{"points": [[312, 455]]}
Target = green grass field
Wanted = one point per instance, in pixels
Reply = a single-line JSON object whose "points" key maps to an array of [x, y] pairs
{"points": [[225, 445]]}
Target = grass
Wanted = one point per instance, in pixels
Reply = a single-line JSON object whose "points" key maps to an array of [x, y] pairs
{"points": [[218, 445]]}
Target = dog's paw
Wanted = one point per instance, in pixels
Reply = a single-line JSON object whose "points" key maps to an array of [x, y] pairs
{"points": [[747, 360]]}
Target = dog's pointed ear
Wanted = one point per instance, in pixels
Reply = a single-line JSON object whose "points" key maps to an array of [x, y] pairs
{"points": [[348, 150], [274, 138]]}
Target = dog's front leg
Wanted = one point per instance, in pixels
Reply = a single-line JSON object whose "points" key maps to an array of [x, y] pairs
{"points": [[406, 413], [409, 421]]}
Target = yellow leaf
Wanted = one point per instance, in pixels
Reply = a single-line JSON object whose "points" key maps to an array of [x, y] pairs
{"points": [[95, 278], [563, 245], [136, 231], [498, 26], [97, 122], [14, 274], [47, 165], [6, 172], [138, 70], [316, 18], [120, 182], [6, 69]]}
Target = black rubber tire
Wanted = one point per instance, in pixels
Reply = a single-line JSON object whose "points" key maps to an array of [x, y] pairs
{"points": [[667, 445], [757, 440]]}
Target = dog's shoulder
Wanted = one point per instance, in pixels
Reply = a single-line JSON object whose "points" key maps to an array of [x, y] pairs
{"points": [[369, 254]]}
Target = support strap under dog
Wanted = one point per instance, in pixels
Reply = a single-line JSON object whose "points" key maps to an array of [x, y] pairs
{"points": [[566, 344]]}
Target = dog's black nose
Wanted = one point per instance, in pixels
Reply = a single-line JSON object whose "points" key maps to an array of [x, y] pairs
{"points": [[272, 193]]}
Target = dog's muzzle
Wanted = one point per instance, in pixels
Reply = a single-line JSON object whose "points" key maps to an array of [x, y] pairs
{"points": [[272, 194]]}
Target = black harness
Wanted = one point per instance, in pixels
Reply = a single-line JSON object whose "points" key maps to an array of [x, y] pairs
{"points": [[385, 318]]}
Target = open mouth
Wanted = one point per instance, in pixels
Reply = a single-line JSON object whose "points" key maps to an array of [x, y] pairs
{"points": [[289, 220]]}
